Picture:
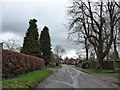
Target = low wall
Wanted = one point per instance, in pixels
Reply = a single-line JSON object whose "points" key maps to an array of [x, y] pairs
{"points": [[14, 63]]}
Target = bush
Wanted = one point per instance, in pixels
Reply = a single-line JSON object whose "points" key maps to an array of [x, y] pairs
{"points": [[56, 67], [57, 64], [14, 63], [85, 65], [52, 64]]}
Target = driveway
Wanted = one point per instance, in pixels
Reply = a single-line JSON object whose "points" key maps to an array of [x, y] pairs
{"points": [[69, 77]]}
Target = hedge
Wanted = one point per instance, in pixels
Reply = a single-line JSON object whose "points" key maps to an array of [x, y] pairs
{"points": [[14, 63], [107, 65]]}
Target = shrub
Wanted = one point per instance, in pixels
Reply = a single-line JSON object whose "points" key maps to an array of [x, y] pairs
{"points": [[52, 64], [14, 63], [57, 64], [85, 65]]}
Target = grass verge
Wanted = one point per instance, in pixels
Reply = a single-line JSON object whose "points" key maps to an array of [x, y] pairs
{"points": [[118, 77], [28, 80], [56, 67], [93, 70], [102, 71]]}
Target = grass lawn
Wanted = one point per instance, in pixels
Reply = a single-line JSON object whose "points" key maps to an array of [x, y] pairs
{"points": [[102, 71], [99, 71], [56, 67], [118, 77], [28, 80]]}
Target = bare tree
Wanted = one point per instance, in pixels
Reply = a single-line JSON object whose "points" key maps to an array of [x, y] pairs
{"points": [[11, 44], [94, 19], [78, 53], [78, 37], [59, 51], [116, 41]]}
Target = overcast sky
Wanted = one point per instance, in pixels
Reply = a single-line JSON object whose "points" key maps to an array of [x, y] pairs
{"points": [[51, 13]]}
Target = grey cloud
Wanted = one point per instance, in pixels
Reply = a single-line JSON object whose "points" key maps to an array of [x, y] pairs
{"points": [[15, 18]]}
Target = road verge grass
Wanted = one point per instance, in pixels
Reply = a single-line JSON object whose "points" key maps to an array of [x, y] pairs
{"points": [[94, 70], [56, 67], [118, 77], [28, 80], [102, 71]]}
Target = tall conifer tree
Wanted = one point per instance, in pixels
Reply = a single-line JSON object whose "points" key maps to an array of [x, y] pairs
{"points": [[45, 42], [31, 45]]}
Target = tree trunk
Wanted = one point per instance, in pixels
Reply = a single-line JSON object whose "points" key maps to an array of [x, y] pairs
{"points": [[116, 52], [99, 62], [115, 48], [86, 48], [107, 56], [100, 57]]}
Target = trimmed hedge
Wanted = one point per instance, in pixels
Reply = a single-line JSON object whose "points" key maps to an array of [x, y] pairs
{"points": [[107, 65], [14, 63]]}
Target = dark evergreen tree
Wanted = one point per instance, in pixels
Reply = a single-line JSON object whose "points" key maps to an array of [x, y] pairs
{"points": [[45, 42], [31, 45]]}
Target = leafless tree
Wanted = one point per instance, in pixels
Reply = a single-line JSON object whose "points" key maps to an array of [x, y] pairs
{"points": [[96, 21], [59, 51], [11, 44], [78, 37], [79, 55]]}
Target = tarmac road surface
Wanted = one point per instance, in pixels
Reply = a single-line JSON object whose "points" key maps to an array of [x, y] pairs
{"points": [[69, 77]]}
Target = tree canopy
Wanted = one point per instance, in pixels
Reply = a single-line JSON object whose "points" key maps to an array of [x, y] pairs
{"points": [[45, 47], [31, 46], [95, 22]]}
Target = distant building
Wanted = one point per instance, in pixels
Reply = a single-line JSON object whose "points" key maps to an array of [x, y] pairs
{"points": [[61, 61], [71, 61]]}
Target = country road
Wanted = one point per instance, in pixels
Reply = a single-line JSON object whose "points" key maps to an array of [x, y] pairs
{"points": [[69, 77]]}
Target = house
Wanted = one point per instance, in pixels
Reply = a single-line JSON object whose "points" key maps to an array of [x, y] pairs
{"points": [[71, 61]]}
